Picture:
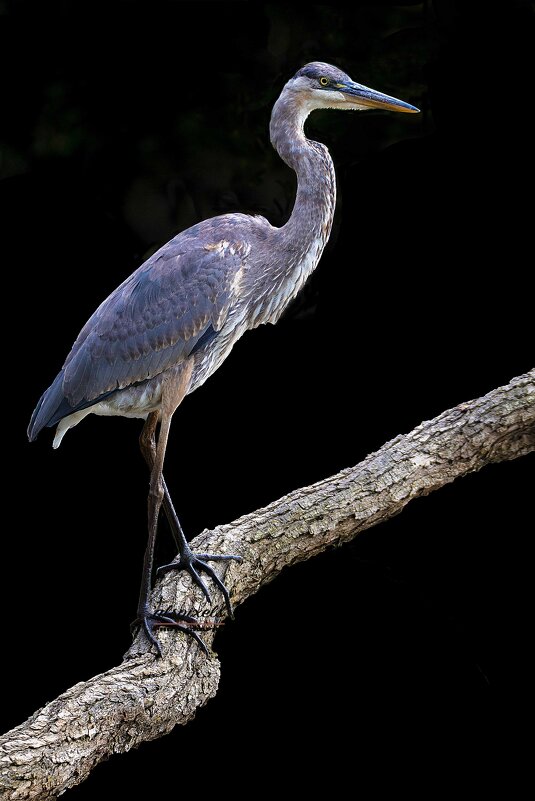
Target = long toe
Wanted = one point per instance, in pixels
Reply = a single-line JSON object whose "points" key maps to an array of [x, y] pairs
{"points": [[148, 628], [180, 622], [189, 566], [215, 557], [194, 564], [217, 581], [168, 619]]}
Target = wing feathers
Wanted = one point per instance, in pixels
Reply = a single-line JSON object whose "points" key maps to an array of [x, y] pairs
{"points": [[155, 318]]}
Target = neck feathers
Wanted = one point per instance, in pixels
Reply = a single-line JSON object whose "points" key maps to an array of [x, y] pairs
{"points": [[311, 219], [298, 245]]}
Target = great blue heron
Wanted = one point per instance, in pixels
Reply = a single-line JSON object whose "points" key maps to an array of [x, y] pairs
{"points": [[165, 329]]}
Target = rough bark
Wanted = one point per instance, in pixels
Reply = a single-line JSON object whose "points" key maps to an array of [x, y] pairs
{"points": [[144, 697]]}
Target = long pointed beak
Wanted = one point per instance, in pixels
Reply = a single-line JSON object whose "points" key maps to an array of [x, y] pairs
{"points": [[362, 97]]}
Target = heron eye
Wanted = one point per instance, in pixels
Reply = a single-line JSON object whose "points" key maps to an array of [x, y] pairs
{"points": [[324, 81]]}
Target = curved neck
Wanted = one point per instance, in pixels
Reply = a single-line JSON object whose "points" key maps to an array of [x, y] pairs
{"points": [[313, 211]]}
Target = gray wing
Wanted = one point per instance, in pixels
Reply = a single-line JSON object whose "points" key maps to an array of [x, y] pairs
{"points": [[155, 318]]}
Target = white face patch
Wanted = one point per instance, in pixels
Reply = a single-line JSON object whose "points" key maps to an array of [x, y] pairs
{"points": [[340, 100], [312, 98], [333, 98]]}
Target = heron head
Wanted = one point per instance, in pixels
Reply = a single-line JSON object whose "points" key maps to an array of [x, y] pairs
{"points": [[320, 85]]}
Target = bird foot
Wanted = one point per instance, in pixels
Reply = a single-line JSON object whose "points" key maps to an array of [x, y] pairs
{"points": [[149, 621], [194, 564]]}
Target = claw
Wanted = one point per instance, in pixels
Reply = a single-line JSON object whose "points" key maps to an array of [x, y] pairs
{"points": [[149, 621], [194, 564]]}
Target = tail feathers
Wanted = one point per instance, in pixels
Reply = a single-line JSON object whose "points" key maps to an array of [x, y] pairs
{"points": [[53, 406], [45, 413]]}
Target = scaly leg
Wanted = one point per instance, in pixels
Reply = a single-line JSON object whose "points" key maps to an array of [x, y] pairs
{"points": [[187, 560], [145, 618]]}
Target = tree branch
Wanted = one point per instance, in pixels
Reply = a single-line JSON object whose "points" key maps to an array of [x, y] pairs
{"points": [[144, 697]]}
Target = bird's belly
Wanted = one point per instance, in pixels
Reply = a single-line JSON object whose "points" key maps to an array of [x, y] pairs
{"points": [[146, 397], [134, 401]]}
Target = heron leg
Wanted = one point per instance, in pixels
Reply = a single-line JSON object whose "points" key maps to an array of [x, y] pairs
{"points": [[187, 560], [146, 619], [147, 444]]}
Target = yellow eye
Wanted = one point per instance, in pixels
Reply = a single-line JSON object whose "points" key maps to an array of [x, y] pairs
{"points": [[324, 81]]}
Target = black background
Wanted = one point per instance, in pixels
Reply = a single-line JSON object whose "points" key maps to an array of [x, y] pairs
{"points": [[124, 123]]}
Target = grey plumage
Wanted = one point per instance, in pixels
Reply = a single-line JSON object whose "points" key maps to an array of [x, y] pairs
{"points": [[176, 318], [220, 277]]}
